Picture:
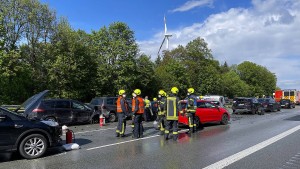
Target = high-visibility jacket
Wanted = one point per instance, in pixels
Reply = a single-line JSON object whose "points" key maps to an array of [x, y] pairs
{"points": [[161, 106], [191, 104], [147, 103], [138, 106], [122, 105], [172, 108]]}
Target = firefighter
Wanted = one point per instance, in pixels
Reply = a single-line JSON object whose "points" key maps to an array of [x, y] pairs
{"points": [[122, 111], [154, 108], [132, 116], [138, 108], [171, 108], [147, 114], [191, 109], [161, 111]]}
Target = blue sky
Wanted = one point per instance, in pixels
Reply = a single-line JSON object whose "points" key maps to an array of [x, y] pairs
{"points": [[265, 32]]}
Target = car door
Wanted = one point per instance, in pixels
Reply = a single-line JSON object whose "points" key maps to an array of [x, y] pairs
{"points": [[213, 111], [6, 129], [63, 111], [203, 112], [80, 113]]}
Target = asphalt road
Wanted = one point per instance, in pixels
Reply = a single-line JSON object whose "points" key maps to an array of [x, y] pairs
{"points": [[249, 141]]}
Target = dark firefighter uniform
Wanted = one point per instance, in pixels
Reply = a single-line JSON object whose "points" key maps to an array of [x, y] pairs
{"points": [[161, 111], [138, 108], [171, 108], [122, 111], [191, 107]]}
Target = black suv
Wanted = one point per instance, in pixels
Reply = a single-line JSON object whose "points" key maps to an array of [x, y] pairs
{"points": [[107, 106], [31, 138], [286, 103], [63, 111], [243, 104], [269, 104]]}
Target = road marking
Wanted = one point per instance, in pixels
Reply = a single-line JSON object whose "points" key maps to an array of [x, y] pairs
{"points": [[238, 156], [108, 145]]}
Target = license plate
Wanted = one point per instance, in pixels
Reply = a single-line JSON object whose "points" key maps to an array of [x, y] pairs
{"points": [[241, 104]]}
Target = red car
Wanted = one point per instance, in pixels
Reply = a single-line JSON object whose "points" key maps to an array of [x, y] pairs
{"points": [[206, 112]]}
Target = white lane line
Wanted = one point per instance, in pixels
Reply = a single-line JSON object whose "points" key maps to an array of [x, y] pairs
{"points": [[108, 145], [238, 156]]}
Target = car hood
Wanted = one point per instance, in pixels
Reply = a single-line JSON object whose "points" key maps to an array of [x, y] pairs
{"points": [[32, 102]]}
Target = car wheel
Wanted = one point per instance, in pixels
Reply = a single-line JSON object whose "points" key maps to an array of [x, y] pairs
{"points": [[50, 119], [95, 119], [33, 146], [224, 119], [198, 123], [253, 111], [112, 117]]}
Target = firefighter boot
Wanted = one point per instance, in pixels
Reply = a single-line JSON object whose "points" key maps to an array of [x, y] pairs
{"points": [[166, 135]]}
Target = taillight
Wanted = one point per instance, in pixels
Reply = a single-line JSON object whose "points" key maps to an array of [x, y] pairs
{"points": [[38, 110]]}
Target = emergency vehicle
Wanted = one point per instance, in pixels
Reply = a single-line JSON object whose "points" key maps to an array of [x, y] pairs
{"points": [[291, 94], [278, 95]]}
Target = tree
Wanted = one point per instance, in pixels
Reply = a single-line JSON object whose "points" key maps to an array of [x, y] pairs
{"points": [[233, 86], [116, 52], [260, 79]]}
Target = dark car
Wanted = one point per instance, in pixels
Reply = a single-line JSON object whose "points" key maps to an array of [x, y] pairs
{"points": [[269, 104], [30, 138], [286, 103], [63, 111], [243, 104], [107, 106]]}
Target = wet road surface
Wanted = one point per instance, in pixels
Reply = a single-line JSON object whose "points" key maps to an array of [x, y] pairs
{"points": [[101, 149]]}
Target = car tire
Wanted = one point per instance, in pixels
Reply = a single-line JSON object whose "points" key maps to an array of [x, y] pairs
{"points": [[33, 146], [198, 123], [95, 119], [224, 120], [253, 111], [51, 119], [112, 117]]}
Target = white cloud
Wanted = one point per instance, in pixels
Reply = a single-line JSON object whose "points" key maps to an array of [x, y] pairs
{"points": [[193, 4], [267, 34]]}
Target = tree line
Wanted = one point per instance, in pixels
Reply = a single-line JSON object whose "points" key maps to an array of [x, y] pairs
{"points": [[39, 51]]}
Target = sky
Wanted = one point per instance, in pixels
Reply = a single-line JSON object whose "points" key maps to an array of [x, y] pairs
{"points": [[266, 32]]}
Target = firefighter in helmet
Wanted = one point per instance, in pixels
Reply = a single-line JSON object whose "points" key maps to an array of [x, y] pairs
{"points": [[161, 111], [171, 108], [138, 108], [122, 111], [191, 109]]}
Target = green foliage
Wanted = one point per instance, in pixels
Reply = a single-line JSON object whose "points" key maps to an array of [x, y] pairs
{"points": [[260, 79], [38, 52]]}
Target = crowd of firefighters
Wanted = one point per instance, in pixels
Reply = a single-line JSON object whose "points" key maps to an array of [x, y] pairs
{"points": [[167, 112]]}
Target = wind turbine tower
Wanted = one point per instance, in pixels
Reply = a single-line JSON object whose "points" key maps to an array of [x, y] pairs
{"points": [[166, 37]]}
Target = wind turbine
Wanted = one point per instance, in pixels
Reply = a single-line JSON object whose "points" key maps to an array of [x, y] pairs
{"points": [[166, 37]]}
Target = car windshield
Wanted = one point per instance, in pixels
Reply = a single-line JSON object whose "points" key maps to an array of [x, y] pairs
{"points": [[261, 100], [284, 101], [6, 110]]}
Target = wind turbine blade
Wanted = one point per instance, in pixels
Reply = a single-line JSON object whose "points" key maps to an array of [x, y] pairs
{"points": [[161, 46], [165, 21]]}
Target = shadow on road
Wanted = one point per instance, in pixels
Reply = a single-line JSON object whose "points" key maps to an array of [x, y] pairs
{"points": [[295, 118]]}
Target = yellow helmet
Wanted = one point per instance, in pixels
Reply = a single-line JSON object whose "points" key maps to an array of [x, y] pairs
{"points": [[121, 92], [154, 99], [161, 92], [191, 90], [137, 91], [201, 97], [174, 90]]}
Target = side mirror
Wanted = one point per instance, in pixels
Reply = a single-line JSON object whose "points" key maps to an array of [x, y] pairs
{"points": [[2, 118]]}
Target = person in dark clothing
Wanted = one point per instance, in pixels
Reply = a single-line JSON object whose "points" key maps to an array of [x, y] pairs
{"points": [[171, 108], [138, 108], [191, 107], [122, 111]]}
